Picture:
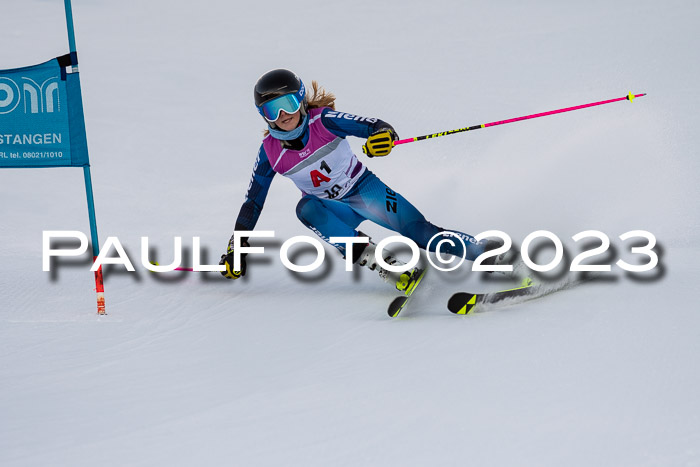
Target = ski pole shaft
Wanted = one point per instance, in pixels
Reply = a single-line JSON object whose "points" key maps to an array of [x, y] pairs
{"points": [[154, 263], [630, 97]]}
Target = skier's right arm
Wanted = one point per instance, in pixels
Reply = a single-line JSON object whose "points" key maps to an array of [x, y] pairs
{"points": [[250, 211], [380, 135]]}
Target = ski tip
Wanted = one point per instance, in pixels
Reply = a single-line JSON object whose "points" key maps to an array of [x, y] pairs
{"points": [[396, 306], [462, 303]]}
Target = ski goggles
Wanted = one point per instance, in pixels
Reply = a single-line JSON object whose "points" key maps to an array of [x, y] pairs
{"points": [[271, 110]]}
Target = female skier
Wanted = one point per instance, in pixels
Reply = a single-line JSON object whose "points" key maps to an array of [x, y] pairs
{"points": [[306, 141]]}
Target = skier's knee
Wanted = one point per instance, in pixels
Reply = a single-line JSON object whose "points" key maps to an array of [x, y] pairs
{"points": [[309, 210]]}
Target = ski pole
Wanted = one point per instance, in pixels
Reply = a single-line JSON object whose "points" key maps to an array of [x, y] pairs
{"points": [[154, 263], [630, 97]]}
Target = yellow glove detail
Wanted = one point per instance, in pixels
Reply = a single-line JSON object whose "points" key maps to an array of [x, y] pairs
{"points": [[230, 273], [379, 144], [227, 260]]}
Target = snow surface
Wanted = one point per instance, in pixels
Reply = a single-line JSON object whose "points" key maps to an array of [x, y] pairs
{"points": [[307, 369]]}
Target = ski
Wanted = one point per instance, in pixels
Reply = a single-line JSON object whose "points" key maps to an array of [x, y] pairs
{"points": [[464, 303], [400, 302]]}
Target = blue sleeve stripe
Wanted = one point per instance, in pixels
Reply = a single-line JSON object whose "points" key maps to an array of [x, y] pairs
{"points": [[343, 124]]}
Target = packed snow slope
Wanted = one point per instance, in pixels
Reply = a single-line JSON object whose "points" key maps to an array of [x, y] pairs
{"points": [[307, 369]]}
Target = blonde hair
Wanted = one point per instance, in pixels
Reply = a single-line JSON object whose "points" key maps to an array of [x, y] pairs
{"points": [[317, 98], [320, 97]]}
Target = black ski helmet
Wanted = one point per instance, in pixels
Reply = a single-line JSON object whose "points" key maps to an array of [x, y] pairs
{"points": [[276, 83]]}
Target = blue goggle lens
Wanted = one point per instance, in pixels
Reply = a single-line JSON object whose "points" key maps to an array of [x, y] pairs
{"points": [[271, 110]]}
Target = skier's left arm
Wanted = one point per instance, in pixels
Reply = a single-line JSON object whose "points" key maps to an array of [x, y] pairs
{"points": [[380, 135]]}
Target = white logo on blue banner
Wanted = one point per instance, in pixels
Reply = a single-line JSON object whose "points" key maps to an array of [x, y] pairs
{"points": [[35, 122], [9, 95]]}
